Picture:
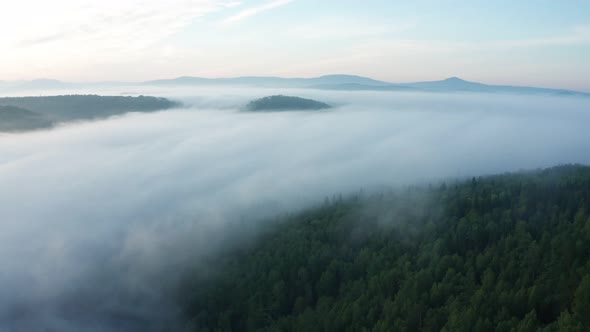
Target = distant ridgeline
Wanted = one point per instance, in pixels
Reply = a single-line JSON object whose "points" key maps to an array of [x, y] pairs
{"points": [[285, 103], [499, 253], [29, 113]]}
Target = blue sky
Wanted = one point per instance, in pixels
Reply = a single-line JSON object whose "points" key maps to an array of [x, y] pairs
{"points": [[539, 43]]}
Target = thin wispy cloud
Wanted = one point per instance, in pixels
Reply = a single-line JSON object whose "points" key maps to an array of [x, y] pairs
{"points": [[108, 24], [246, 13], [579, 35], [576, 36], [67, 34], [347, 29]]}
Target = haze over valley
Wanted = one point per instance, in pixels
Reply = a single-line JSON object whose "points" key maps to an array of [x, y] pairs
{"points": [[288, 165], [146, 194]]}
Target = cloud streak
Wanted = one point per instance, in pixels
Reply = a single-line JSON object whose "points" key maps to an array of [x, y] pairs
{"points": [[247, 13], [106, 24]]}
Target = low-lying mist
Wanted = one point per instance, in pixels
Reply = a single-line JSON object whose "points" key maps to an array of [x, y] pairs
{"points": [[99, 220]]}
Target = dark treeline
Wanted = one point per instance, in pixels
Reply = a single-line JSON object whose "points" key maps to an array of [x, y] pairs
{"points": [[284, 103], [499, 253], [15, 118], [25, 113]]}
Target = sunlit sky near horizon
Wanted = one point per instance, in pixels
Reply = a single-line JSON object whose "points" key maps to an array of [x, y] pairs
{"points": [[535, 43]]}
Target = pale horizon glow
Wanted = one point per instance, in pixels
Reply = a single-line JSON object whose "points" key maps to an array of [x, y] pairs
{"points": [[533, 43]]}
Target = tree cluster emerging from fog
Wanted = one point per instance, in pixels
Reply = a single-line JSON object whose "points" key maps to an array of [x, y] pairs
{"points": [[285, 103], [504, 253]]}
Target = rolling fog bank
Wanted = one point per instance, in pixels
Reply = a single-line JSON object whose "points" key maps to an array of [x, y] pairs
{"points": [[101, 219]]}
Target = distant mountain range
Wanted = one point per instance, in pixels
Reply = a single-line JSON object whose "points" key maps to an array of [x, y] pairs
{"points": [[457, 84], [359, 83], [328, 82], [271, 81]]}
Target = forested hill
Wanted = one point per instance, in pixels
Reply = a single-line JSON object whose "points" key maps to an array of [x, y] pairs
{"points": [[499, 253], [15, 118], [55, 109], [284, 103]]}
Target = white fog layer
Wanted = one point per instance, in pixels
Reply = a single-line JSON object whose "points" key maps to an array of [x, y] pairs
{"points": [[98, 220]]}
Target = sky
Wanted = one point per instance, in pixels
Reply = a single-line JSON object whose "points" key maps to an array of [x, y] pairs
{"points": [[530, 42]]}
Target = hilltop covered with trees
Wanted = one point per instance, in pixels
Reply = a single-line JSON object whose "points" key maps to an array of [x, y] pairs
{"points": [[285, 103], [499, 253], [26, 113]]}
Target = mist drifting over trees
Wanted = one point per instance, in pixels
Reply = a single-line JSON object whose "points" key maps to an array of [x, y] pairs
{"points": [[136, 203]]}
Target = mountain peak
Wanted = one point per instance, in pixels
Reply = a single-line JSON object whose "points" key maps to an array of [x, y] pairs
{"points": [[455, 79], [348, 79], [340, 76]]}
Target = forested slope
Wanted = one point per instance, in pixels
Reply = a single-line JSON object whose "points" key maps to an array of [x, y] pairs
{"points": [[17, 119], [499, 253], [27, 113], [284, 103]]}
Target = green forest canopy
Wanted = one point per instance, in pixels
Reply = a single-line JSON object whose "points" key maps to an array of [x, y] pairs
{"points": [[25, 113], [15, 118], [285, 103], [499, 253]]}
